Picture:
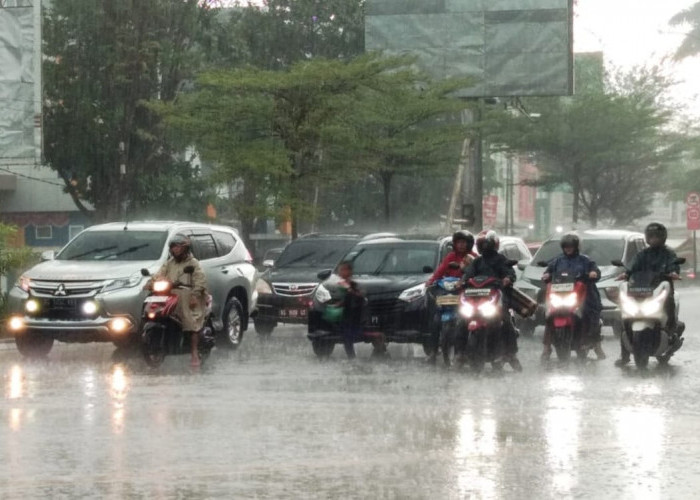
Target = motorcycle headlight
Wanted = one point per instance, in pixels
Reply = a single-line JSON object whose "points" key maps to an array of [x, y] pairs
{"points": [[629, 306], [653, 305], [449, 285], [322, 294], [466, 310], [263, 286], [162, 286], [488, 309], [24, 283], [413, 293], [558, 300], [120, 283]]}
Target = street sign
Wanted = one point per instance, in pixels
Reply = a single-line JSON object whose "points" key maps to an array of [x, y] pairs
{"points": [[692, 211]]}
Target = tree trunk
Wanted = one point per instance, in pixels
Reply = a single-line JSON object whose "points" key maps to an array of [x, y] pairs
{"points": [[386, 185]]}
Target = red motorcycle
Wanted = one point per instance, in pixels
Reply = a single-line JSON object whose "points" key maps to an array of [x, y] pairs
{"points": [[161, 331], [564, 317], [483, 313]]}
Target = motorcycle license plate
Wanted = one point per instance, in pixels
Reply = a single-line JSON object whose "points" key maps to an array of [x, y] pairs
{"points": [[158, 299], [563, 287], [293, 313], [477, 292], [447, 300]]}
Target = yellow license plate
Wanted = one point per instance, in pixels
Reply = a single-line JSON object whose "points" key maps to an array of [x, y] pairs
{"points": [[447, 300]]}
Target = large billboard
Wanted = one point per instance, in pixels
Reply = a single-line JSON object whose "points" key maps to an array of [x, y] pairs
{"points": [[20, 82], [506, 47]]}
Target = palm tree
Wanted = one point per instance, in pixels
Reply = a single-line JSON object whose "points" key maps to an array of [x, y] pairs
{"points": [[690, 45]]}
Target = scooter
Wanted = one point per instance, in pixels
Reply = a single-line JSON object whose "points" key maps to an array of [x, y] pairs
{"points": [[161, 333], [564, 316], [446, 293], [482, 312], [645, 319]]}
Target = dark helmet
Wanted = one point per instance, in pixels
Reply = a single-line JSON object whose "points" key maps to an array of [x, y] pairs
{"points": [[487, 240], [464, 236], [570, 240], [179, 239], [658, 230]]}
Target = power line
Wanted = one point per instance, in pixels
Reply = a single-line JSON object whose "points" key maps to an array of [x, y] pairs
{"points": [[24, 176]]}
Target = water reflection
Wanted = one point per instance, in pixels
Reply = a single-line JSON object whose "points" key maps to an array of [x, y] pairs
{"points": [[15, 384], [477, 439], [561, 430], [641, 433], [119, 387]]}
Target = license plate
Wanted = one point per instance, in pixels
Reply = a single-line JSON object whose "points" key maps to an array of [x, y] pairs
{"points": [[157, 299], [62, 303], [374, 320], [563, 287], [477, 292], [447, 300], [293, 313]]}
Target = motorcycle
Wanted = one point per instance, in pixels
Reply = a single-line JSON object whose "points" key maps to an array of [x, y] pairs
{"points": [[161, 333], [564, 315], [446, 295], [645, 319], [483, 313]]}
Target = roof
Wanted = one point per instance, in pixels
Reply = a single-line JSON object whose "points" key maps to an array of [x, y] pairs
{"points": [[601, 234], [154, 225]]}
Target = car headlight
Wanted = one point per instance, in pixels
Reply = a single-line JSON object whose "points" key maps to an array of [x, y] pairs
{"points": [[263, 286], [488, 309], [31, 306], [24, 283], [413, 293], [117, 284], [322, 294]]}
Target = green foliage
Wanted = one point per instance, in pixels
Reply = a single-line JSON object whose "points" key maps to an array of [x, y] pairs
{"points": [[690, 46], [12, 258]]}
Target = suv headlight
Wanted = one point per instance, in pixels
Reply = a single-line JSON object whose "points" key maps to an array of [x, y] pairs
{"points": [[413, 293], [322, 294], [117, 284], [24, 283], [263, 287]]}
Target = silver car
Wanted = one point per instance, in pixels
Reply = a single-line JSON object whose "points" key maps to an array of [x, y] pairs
{"points": [[92, 290]]}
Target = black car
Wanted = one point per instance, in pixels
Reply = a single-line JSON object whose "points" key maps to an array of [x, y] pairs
{"points": [[285, 290], [391, 272]]}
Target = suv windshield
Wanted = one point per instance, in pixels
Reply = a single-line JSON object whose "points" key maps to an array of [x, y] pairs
{"points": [[601, 251], [313, 253], [394, 259], [115, 245]]}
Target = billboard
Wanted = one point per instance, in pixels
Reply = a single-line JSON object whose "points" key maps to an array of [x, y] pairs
{"points": [[20, 82], [507, 47]]}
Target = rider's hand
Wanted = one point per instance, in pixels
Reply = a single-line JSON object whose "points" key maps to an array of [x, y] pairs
{"points": [[593, 275], [545, 277], [621, 277], [507, 282]]}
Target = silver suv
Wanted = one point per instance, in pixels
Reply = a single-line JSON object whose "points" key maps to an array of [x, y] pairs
{"points": [[92, 290]]}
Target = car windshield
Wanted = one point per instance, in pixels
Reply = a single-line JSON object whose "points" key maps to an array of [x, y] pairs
{"points": [[115, 245], [394, 259], [601, 251], [314, 253]]}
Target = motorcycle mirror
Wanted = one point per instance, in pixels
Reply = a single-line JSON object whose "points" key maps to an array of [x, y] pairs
{"points": [[144, 272], [680, 261], [541, 263], [522, 265], [324, 275], [453, 265], [511, 263], [617, 262], [189, 270], [428, 269]]}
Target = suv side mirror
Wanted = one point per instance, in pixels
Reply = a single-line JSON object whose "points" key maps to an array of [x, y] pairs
{"points": [[189, 270], [48, 255], [324, 275], [617, 262], [145, 272], [522, 265]]}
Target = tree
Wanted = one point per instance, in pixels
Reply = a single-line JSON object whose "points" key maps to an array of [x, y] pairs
{"points": [[611, 147], [103, 61], [690, 45]]}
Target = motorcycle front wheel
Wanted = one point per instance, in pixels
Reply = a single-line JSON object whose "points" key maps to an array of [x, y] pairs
{"points": [[562, 343], [152, 346]]}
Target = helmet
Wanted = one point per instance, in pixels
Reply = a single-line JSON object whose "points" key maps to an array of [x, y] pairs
{"points": [[487, 240], [655, 229], [464, 236], [179, 239], [570, 240]]}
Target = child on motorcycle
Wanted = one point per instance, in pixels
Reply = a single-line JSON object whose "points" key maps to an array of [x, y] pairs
{"points": [[577, 264], [492, 263], [657, 257]]}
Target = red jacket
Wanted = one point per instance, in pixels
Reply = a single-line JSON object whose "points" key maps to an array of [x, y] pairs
{"points": [[444, 268]]}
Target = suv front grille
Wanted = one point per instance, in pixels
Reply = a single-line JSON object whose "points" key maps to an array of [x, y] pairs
{"points": [[294, 289], [385, 307], [65, 289]]}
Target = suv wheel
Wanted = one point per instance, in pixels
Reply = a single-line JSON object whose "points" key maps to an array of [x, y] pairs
{"points": [[264, 327], [32, 345], [322, 348], [233, 324]]}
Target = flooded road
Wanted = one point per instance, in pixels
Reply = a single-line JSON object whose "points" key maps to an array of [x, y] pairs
{"points": [[270, 421]]}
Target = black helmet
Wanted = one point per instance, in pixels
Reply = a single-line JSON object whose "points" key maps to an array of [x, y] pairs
{"points": [[658, 230], [464, 236], [570, 240], [179, 239], [487, 240]]}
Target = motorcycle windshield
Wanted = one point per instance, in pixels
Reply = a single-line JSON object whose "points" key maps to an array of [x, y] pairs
{"points": [[644, 282], [563, 277]]}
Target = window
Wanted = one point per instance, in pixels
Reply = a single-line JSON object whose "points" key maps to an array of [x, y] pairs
{"points": [[44, 232], [632, 250], [203, 246], [224, 242], [115, 245], [73, 231]]}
